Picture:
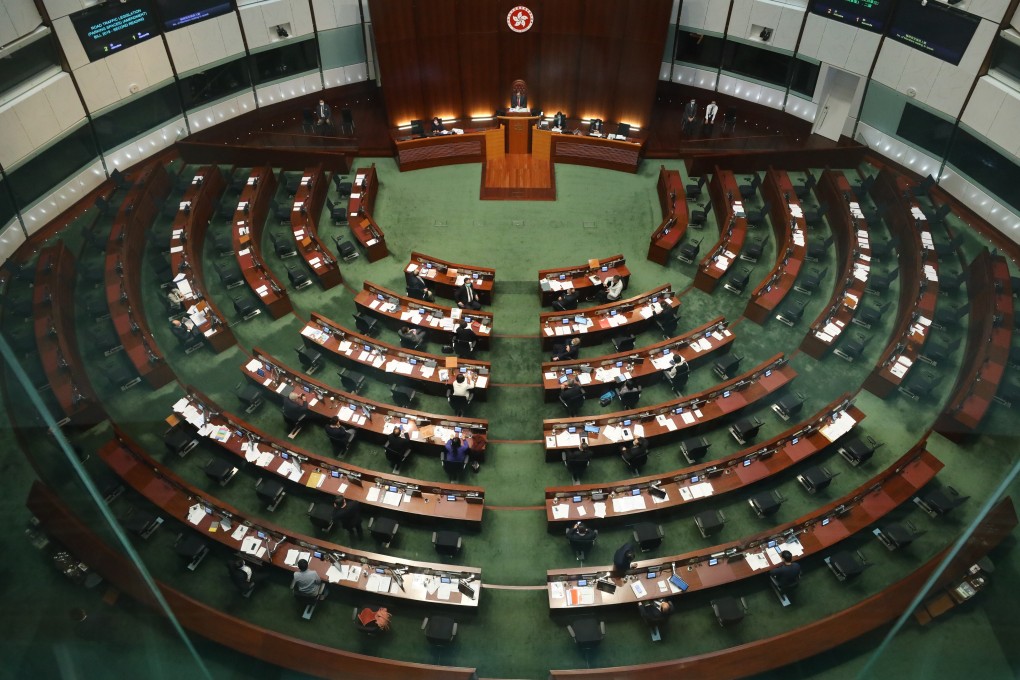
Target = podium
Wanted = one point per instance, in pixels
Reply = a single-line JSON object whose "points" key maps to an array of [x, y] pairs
{"points": [[518, 131]]}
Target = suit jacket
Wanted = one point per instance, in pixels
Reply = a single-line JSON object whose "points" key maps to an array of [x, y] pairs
{"points": [[559, 120], [464, 332], [323, 111], [414, 282], [518, 100], [465, 295]]}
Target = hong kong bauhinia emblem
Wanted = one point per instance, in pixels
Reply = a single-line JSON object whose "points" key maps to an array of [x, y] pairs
{"points": [[520, 19]]}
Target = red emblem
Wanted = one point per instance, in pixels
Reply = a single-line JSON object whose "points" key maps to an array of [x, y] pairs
{"points": [[520, 19]]}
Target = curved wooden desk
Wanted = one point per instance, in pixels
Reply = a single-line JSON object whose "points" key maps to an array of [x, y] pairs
{"points": [[729, 212], [616, 499], [364, 228], [599, 323], [429, 373], [430, 152], [581, 278], [186, 240], [269, 544], [124, 250], [853, 249], [443, 276], [919, 284], [56, 337], [736, 560], [438, 321], [673, 226], [598, 152], [373, 420], [695, 346], [249, 444], [672, 419], [304, 216], [790, 231], [249, 221]]}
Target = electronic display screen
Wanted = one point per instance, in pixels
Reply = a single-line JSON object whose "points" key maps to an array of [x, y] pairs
{"points": [[178, 13], [105, 29], [871, 15], [940, 31]]}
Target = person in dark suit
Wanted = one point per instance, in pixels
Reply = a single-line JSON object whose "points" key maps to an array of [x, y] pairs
{"points": [[465, 333], [241, 575], [295, 408], [465, 296], [578, 459], [787, 573], [559, 120], [348, 514], [182, 332], [629, 393], [567, 352], [690, 118], [595, 127], [566, 301], [413, 337], [437, 126], [323, 115], [417, 288], [623, 559], [518, 100], [633, 454]]}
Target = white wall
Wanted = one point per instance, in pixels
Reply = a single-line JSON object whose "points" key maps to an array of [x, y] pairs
{"points": [[204, 43], [994, 112], [18, 18], [33, 119], [261, 18], [844, 46]]}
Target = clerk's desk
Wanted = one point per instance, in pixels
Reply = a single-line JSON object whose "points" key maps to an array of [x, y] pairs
{"points": [[732, 221], [264, 543], [247, 444], [597, 374], [429, 373], [56, 339], [438, 321], [671, 230], [919, 283], [586, 279], [853, 250], [442, 276], [247, 227], [597, 324], [372, 419], [669, 420], [729, 562], [123, 277], [790, 231], [304, 217], [633, 499], [360, 207], [186, 240]]}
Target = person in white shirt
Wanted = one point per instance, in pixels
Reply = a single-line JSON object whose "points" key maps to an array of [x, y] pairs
{"points": [[463, 386], [614, 288], [710, 111]]}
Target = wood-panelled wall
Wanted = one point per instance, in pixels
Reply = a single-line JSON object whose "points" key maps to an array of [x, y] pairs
{"points": [[457, 58]]}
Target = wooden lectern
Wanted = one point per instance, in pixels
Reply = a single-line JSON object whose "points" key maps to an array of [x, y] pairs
{"points": [[518, 132]]}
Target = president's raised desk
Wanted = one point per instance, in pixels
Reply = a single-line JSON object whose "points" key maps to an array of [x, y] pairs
{"points": [[586, 280], [363, 226]]}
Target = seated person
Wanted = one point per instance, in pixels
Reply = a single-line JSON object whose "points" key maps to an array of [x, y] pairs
{"points": [[477, 443], [559, 120], [465, 333], [786, 574], [678, 371], [437, 126], [463, 386], [596, 127], [635, 451], [571, 390], [612, 289], [566, 301], [579, 531], [241, 575], [175, 301], [417, 288], [466, 297], [306, 583], [336, 429], [656, 611], [185, 331], [295, 407], [577, 460], [567, 352], [412, 337], [629, 392], [371, 619]]}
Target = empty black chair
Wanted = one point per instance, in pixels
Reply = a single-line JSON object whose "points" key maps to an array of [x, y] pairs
{"points": [[737, 281], [710, 522], [870, 314], [938, 216], [346, 123], [689, 250], [766, 503], [366, 325], [321, 516], [882, 250], [791, 311], [225, 210], [847, 564], [282, 245], [938, 502], [755, 216], [727, 365], [142, 522], [298, 277], [937, 349], [346, 250], [271, 492], [343, 186], [192, 549], [699, 215], [447, 543], [950, 282], [694, 449], [245, 307], [352, 380], [815, 478], [747, 191], [120, 376], [920, 384], [587, 633], [809, 281], [789, 405], [648, 535], [804, 190], [816, 249], [947, 317], [402, 395], [623, 343], [754, 249], [310, 359], [898, 534], [859, 450], [439, 630], [880, 282], [231, 278], [250, 396], [693, 191], [180, 439], [1007, 394], [383, 529], [852, 346], [282, 212], [745, 430], [946, 249], [337, 212], [922, 188], [729, 610], [814, 215]]}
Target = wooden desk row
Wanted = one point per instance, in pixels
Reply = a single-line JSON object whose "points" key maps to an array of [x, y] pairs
{"points": [[989, 340], [732, 221], [263, 543], [445, 277], [248, 225], [919, 284], [324, 475], [438, 321], [644, 365], [853, 250], [597, 324], [373, 420], [737, 560], [790, 231], [304, 216], [123, 277], [586, 279], [598, 152], [669, 420], [364, 228], [56, 338], [189, 228], [673, 226], [565, 504], [427, 372]]}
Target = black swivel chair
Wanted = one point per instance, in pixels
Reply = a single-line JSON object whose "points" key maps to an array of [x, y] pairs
{"points": [[920, 384], [809, 281], [754, 249], [310, 359], [352, 381], [745, 430], [859, 449], [220, 471], [727, 366], [792, 311], [343, 186], [439, 630], [447, 543], [939, 502], [321, 516], [694, 449], [699, 215], [191, 548], [689, 251], [789, 405], [623, 343], [729, 610], [847, 564], [180, 439], [937, 349], [402, 395], [667, 321], [815, 478], [693, 191], [922, 188], [383, 529], [814, 216], [282, 212], [345, 250], [879, 283], [648, 535], [245, 307], [337, 212], [737, 281], [755, 216], [298, 277], [748, 191], [366, 325], [710, 522], [587, 633], [283, 246], [852, 346], [949, 317], [816, 249], [804, 190], [870, 314], [231, 278], [898, 534], [767, 503], [271, 492]]}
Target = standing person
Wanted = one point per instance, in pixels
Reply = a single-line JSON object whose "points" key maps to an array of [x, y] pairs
{"points": [[323, 113], [623, 559], [348, 513], [710, 113], [690, 116]]}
